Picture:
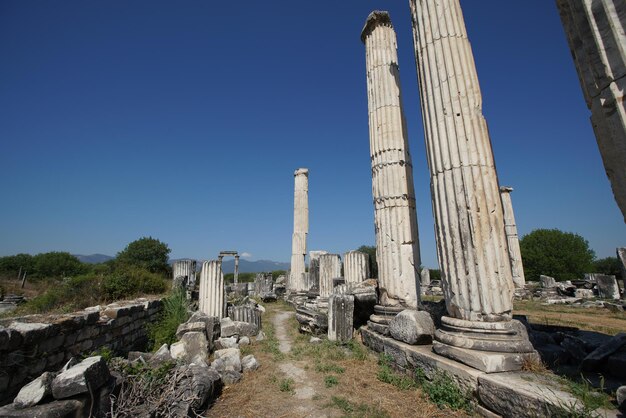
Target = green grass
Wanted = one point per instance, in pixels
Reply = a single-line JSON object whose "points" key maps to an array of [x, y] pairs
{"points": [[286, 385], [329, 368], [270, 343], [443, 391], [387, 375], [352, 410], [330, 381], [590, 399]]}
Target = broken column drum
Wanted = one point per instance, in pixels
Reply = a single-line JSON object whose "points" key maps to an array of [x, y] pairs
{"points": [[184, 272], [469, 223], [330, 268], [355, 267], [397, 246], [510, 229], [211, 298], [595, 31], [300, 230], [314, 268], [340, 317]]}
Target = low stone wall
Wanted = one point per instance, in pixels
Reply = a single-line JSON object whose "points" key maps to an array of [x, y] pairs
{"points": [[33, 344]]}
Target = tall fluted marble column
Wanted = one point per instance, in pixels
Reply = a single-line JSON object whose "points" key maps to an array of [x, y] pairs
{"points": [[595, 32], [330, 268], [355, 267], [397, 246], [300, 230], [469, 222], [510, 229], [211, 297]]}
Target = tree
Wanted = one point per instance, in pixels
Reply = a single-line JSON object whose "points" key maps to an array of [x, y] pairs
{"points": [[13, 264], [609, 265], [57, 264], [148, 253], [371, 251], [562, 255]]}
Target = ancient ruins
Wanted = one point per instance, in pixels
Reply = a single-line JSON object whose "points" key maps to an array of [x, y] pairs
{"points": [[595, 31], [300, 230], [510, 228]]}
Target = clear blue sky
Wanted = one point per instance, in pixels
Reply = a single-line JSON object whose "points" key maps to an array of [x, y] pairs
{"points": [[185, 121]]}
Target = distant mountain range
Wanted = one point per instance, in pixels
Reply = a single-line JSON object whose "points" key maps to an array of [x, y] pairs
{"points": [[93, 258], [228, 265]]}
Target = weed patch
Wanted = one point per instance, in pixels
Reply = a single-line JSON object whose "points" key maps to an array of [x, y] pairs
{"points": [[362, 410], [589, 399], [443, 391], [175, 312], [387, 375], [330, 381], [286, 385]]}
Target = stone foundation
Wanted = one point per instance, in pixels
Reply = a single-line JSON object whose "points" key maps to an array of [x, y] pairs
{"points": [[33, 344]]}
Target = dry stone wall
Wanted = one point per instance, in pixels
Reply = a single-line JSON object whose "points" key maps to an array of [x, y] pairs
{"points": [[33, 344]]}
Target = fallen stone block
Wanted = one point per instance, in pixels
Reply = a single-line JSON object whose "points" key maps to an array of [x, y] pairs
{"points": [[230, 377], [616, 365], [87, 375], [55, 409], [340, 317], [162, 355], [595, 359], [35, 391], [231, 358], [412, 327], [226, 342], [193, 347], [249, 363], [244, 341], [198, 326], [620, 394], [547, 281], [228, 328]]}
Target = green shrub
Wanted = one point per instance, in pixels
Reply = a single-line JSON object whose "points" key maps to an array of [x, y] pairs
{"points": [[286, 385], [128, 281], [175, 312], [57, 264], [387, 375], [330, 381]]}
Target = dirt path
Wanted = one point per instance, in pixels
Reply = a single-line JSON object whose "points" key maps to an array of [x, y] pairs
{"points": [[304, 380]]}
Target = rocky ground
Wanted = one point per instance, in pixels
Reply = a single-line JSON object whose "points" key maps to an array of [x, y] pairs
{"points": [[300, 378]]}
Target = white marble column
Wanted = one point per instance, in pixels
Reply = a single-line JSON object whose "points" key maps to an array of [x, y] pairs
{"points": [[185, 269], [314, 268], [236, 274], [595, 31], [397, 246], [211, 298], [330, 268], [355, 267], [510, 229], [300, 230], [469, 222]]}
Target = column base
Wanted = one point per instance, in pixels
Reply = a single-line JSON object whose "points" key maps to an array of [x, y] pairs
{"points": [[487, 346], [379, 320]]}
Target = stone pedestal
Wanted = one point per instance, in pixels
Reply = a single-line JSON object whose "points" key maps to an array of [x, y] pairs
{"points": [[595, 31], [300, 231], [356, 267], [469, 222], [510, 229], [607, 286], [211, 300], [397, 246], [340, 317]]}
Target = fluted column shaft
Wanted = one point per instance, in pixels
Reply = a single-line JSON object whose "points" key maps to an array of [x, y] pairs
{"points": [[355, 267], [397, 246], [330, 268], [300, 230], [595, 32], [211, 297], [510, 229], [469, 224]]}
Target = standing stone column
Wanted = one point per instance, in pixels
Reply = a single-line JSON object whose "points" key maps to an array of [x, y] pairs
{"points": [[355, 267], [595, 31], [184, 273], [425, 280], [300, 230], [330, 268], [510, 229], [397, 246], [340, 317], [236, 274], [211, 298], [314, 268], [469, 225]]}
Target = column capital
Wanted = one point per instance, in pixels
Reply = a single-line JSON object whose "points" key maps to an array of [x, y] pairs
{"points": [[376, 18]]}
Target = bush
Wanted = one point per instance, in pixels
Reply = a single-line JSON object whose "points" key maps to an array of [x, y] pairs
{"points": [[57, 264], [131, 281], [562, 255], [175, 312], [70, 294], [13, 264], [147, 253]]}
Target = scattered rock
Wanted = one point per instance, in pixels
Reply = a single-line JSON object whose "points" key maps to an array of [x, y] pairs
{"points": [[230, 358], [228, 328], [162, 355], [89, 374], [412, 327], [244, 341], [230, 377], [190, 327], [35, 391], [260, 336], [249, 363], [574, 347], [54, 409], [315, 340], [547, 281], [226, 342], [621, 398], [592, 361], [246, 329], [192, 348], [616, 365], [136, 355]]}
